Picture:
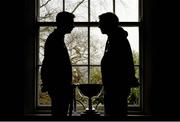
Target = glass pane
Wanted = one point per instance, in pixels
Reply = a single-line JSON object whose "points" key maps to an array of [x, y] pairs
{"points": [[134, 97], [96, 78], [97, 45], [98, 40], [98, 7], [79, 8], [127, 10], [137, 71], [95, 75], [49, 9], [43, 99], [77, 45], [133, 37], [43, 34], [80, 74]]}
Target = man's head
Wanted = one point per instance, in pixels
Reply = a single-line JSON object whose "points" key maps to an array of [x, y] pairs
{"points": [[107, 22], [65, 21]]}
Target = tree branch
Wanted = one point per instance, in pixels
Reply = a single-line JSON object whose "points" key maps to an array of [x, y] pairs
{"points": [[77, 6], [45, 3]]}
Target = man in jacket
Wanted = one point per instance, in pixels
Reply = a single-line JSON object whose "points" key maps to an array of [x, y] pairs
{"points": [[56, 71], [117, 66]]}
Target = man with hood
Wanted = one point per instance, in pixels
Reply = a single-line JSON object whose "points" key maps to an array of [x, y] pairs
{"points": [[117, 66]]}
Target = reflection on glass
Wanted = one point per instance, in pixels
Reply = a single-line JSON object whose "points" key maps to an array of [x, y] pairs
{"points": [[98, 7], [49, 9], [95, 75], [80, 74], [127, 10], [97, 45], [79, 8], [77, 45]]}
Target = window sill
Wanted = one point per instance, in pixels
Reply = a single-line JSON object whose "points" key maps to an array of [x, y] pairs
{"points": [[76, 116]]}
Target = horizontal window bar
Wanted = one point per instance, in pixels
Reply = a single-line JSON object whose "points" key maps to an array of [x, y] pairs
{"points": [[91, 24], [86, 65]]}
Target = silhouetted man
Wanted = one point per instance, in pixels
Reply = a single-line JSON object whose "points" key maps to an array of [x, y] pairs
{"points": [[117, 66], [56, 71]]}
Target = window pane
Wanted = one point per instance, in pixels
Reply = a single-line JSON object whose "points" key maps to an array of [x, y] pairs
{"points": [[97, 45], [77, 45], [43, 98], [98, 7], [127, 10], [79, 8], [133, 37], [134, 97], [80, 74], [43, 34], [95, 75], [49, 9], [98, 41]]}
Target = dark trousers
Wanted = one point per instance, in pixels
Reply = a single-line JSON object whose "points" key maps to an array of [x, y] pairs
{"points": [[60, 102], [115, 103]]}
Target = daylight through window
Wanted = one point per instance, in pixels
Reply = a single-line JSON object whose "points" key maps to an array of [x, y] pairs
{"points": [[86, 43]]}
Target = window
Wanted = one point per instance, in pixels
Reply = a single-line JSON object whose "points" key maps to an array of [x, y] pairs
{"points": [[86, 42]]}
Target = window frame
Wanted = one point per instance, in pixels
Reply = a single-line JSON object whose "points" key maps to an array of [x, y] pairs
{"points": [[89, 24]]}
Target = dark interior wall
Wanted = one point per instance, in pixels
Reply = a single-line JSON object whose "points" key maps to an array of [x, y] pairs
{"points": [[16, 59], [11, 60], [16, 89], [29, 50], [165, 50], [161, 59], [146, 43]]}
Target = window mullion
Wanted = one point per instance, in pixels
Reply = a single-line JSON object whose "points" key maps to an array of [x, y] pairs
{"points": [[89, 42], [114, 4], [63, 5]]}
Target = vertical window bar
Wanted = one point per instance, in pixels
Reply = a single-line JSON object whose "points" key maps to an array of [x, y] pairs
{"points": [[88, 54], [36, 53], [37, 10], [88, 42], [63, 5], [114, 6], [141, 62], [37, 28], [88, 10], [140, 16]]}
